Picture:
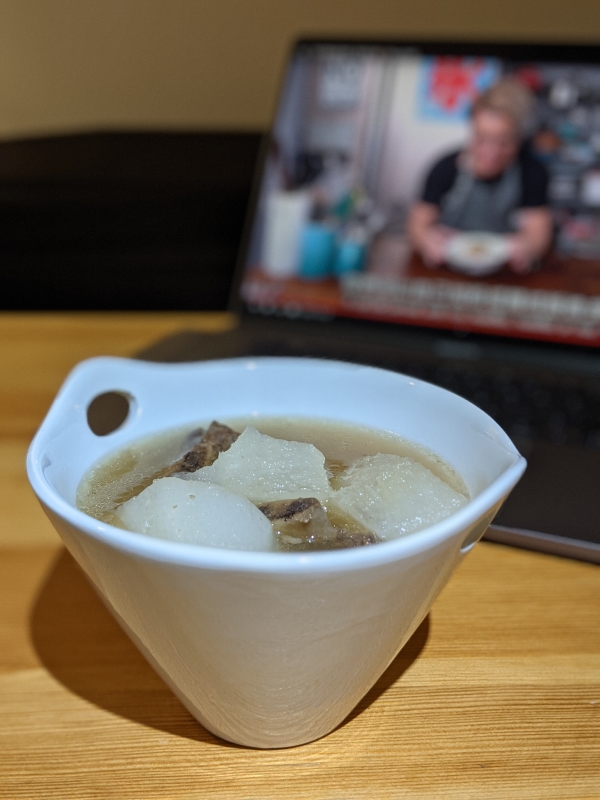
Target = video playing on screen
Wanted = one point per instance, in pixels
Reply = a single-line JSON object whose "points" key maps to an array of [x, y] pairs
{"points": [[459, 192]]}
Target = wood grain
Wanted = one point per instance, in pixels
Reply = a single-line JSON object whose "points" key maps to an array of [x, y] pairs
{"points": [[497, 695]]}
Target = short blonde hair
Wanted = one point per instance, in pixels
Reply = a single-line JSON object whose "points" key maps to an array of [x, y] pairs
{"points": [[508, 96]]}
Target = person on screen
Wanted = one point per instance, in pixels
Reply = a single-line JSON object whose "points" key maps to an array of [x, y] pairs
{"points": [[495, 184]]}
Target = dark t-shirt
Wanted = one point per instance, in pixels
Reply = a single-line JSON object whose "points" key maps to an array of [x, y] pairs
{"points": [[534, 180]]}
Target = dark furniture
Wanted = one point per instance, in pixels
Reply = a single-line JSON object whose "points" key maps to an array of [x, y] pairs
{"points": [[118, 220]]}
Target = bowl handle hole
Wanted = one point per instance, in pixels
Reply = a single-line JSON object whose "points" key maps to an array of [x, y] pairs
{"points": [[107, 412]]}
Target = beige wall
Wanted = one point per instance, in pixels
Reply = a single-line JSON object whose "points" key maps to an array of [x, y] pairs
{"points": [[72, 65]]}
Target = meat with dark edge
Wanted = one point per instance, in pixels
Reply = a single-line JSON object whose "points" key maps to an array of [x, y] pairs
{"points": [[300, 510], [304, 523], [347, 539], [215, 440]]}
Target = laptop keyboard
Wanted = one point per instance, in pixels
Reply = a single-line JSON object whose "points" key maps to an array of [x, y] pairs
{"points": [[525, 406]]}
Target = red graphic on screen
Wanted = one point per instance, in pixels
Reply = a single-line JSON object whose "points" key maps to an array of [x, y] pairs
{"points": [[454, 81], [530, 76]]}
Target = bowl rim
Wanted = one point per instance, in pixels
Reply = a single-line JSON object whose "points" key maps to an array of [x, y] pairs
{"points": [[221, 559]]}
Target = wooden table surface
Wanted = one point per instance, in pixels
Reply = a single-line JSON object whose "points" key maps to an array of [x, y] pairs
{"points": [[497, 695]]}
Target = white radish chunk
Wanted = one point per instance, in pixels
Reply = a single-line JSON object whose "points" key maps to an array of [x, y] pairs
{"points": [[262, 468], [392, 496], [197, 513]]}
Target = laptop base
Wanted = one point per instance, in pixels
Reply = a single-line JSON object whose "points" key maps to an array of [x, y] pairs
{"points": [[556, 506]]}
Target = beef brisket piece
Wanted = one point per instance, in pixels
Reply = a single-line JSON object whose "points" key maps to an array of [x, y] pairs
{"points": [[300, 510], [347, 539], [216, 439], [304, 523], [300, 522]]}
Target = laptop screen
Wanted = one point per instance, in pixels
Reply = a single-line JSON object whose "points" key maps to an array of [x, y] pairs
{"points": [[455, 187]]}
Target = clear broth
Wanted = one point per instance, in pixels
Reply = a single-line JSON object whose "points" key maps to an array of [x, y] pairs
{"points": [[125, 473]]}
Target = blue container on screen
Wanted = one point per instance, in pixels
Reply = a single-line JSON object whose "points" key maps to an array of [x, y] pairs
{"points": [[317, 250], [350, 256]]}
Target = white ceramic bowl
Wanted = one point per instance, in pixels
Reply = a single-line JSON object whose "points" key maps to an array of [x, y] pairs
{"points": [[477, 254], [268, 649]]}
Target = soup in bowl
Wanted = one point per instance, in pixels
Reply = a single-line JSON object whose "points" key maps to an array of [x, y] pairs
{"points": [[270, 646]]}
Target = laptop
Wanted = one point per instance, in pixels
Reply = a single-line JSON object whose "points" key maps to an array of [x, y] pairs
{"points": [[434, 208]]}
